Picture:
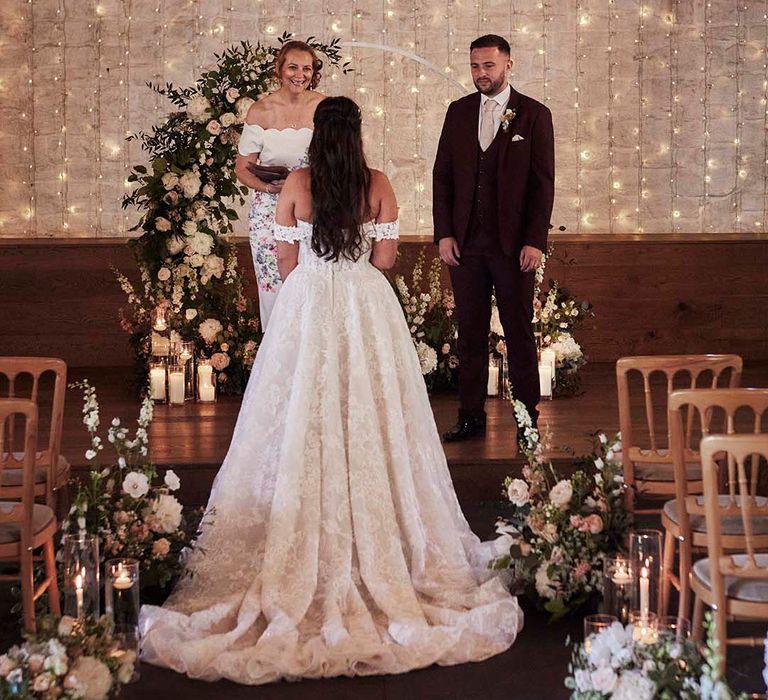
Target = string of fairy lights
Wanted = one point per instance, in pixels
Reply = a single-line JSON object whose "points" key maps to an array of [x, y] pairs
{"points": [[74, 190]]}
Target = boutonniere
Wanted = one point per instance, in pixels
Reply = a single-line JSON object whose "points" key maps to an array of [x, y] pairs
{"points": [[507, 117]]}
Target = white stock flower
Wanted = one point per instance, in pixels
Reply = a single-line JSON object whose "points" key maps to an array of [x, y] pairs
{"points": [[166, 513], [135, 484], [518, 492], [163, 274], [209, 329], [162, 224], [190, 183], [566, 348], [227, 119], [172, 480], [90, 454], [197, 108], [427, 357], [561, 493], [599, 463]]}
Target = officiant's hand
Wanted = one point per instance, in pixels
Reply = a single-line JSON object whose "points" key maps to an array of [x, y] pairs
{"points": [[449, 251], [530, 258]]}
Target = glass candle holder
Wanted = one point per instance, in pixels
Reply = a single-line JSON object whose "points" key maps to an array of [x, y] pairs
{"points": [[645, 626], [161, 344], [157, 381], [494, 372], [617, 588], [545, 380], [593, 625], [674, 626], [81, 575], [548, 357], [121, 603], [160, 318], [206, 382], [186, 359], [645, 559], [176, 385]]}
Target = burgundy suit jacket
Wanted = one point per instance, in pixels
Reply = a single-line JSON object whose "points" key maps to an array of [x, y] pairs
{"points": [[526, 173]]}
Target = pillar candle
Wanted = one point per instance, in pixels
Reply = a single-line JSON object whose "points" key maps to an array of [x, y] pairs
{"points": [[545, 380], [157, 383], [493, 380]]}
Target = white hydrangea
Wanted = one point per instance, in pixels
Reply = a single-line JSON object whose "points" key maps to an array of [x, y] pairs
{"points": [[200, 243], [209, 329], [190, 183], [566, 348], [634, 685], [198, 108], [166, 513], [213, 266], [427, 357]]}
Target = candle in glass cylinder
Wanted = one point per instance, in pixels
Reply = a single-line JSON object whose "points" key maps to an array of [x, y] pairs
{"points": [[493, 379], [206, 389], [157, 381], [79, 594], [545, 380], [548, 357], [645, 593], [176, 385]]}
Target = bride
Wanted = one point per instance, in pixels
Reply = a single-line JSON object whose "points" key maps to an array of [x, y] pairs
{"points": [[338, 546]]}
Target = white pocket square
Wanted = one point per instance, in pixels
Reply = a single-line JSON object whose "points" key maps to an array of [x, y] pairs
{"points": [[517, 137]]}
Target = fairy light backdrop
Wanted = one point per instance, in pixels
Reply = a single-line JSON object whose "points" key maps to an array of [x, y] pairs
{"points": [[660, 106]]}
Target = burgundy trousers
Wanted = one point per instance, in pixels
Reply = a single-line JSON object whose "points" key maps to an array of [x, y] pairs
{"points": [[473, 282]]}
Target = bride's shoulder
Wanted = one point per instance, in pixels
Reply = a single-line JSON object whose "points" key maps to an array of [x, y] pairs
{"points": [[260, 112]]}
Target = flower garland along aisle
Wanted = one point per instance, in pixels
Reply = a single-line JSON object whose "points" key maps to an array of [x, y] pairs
{"points": [[126, 503], [560, 529], [68, 659], [428, 309], [185, 259], [554, 320], [612, 664]]}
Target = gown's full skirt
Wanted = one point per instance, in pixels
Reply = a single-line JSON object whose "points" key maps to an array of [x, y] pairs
{"points": [[336, 545]]}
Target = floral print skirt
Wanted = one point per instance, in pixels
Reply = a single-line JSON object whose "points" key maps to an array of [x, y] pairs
{"points": [[261, 219]]}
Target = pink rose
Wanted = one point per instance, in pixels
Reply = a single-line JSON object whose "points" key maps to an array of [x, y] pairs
{"points": [[594, 523]]}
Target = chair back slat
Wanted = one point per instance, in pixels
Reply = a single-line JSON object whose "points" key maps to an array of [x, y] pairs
{"points": [[21, 512], [649, 410]]}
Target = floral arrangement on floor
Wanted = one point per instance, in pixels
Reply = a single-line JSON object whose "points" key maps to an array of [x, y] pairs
{"points": [[68, 659], [428, 309], [611, 664], [126, 503], [555, 319], [184, 257], [559, 529]]}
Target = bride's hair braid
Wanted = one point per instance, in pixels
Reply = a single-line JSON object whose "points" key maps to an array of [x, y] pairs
{"points": [[340, 180]]}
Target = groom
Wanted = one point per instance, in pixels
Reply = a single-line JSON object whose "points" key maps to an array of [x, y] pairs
{"points": [[493, 189]]}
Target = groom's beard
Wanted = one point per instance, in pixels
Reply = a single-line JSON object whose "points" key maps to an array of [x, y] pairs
{"points": [[490, 87]]}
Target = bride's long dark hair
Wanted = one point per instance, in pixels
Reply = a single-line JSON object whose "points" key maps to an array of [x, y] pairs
{"points": [[340, 180]]}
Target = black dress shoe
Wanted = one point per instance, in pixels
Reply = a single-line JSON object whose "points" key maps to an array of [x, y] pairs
{"points": [[465, 429]]}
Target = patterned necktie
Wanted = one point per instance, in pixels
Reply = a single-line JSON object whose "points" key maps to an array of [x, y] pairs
{"points": [[488, 123]]}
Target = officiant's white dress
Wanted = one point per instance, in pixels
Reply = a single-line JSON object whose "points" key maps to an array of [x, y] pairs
{"points": [[337, 546]]}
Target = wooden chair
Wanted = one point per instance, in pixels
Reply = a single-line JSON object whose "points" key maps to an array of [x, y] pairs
{"points": [[734, 585], [694, 413], [648, 468], [52, 472], [26, 526]]}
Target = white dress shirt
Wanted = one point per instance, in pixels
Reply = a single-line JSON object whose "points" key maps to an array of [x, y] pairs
{"points": [[502, 98]]}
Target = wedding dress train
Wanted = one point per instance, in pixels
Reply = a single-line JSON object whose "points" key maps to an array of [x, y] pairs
{"points": [[337, 545]]}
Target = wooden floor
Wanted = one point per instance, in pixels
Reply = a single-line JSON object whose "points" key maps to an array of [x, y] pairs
{"points": [[194, 439]]}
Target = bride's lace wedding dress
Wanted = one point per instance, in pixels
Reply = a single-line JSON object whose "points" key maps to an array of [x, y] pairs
{"points": [[337, 546]]}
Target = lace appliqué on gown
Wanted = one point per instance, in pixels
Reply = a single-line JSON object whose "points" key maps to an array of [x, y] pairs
{"points": [[338, 546]]}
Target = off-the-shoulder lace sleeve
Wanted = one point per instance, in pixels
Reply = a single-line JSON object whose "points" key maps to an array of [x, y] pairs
{"points": [[251, 140], [390, 230], [288, 234]]}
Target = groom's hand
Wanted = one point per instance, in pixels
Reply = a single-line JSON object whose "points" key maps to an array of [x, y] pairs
{"points": [[530, 258], [449, 251]]}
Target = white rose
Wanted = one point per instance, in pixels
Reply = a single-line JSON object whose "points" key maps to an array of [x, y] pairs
{"points": [[170, 180], [220, 361], [209, 191], [209, 329], [197, 108], [561, 493], [232, 94], [172, 480], [190, 183], [136, 484], [190, 314], [196, 260], [189, 228], [161, 547], [163, 274], [175, 245], [227, 119], [166, 512], [214, 266], [90, 677], [162, 224], [604, 679], [213, 127], [518, 492], [200, 243]]}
